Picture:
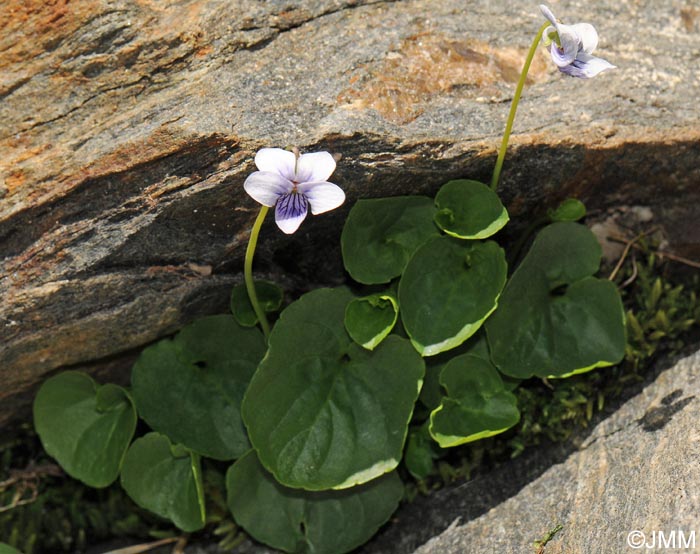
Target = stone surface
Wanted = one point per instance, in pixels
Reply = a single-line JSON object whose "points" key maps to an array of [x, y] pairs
{"points": [[127, 128], [638, 470]]}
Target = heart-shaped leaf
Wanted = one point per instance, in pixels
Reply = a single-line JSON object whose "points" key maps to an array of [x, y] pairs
{"points": [[381, 234], [447, 291], [269, 296], [85, 427], [370, 319], [469, 210], [190, 388], [570, 209], [321, 411], [326, 522], [555, 319], [477, 404], [165, 479]]}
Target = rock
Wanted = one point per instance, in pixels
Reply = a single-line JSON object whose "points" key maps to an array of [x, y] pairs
{"points": [[128, 128], [631, 484]]}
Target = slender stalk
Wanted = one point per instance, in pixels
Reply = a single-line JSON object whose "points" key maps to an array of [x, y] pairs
{"points": [[514, 107], [248, 272]]}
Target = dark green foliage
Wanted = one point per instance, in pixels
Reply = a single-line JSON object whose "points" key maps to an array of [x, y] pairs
{"points": [[662, 313], [326, 522]]}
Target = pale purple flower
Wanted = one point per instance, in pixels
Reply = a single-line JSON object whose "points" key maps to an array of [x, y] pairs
{"points": [[291, 182], [571, 46]]}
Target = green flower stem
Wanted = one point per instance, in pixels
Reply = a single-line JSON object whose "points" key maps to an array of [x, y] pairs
{"points": [[248, 272], [514, 107]]}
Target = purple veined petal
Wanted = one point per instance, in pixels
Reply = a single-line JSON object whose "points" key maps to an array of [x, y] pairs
{"points": [[314, 167], [587, 35], [276, 160], [290, 211], [322, 197], [586, 66], [266, 187]]}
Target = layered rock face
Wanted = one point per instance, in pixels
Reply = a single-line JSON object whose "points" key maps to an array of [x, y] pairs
{"points": [[127, 129], [631, 485]]}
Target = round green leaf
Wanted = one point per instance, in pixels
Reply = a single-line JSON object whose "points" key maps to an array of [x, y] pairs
{"points": [[447, 291], [85, 427], [381, 234], [323, 412], [469, 210], [7, 549], [555, 319], [370, 319], [269, 295], [165, 479], [327, 522], [569, 210], [190, 388], [477, 404]]}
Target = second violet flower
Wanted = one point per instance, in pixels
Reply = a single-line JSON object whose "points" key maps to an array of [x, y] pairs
{"points": [[571, 47]]}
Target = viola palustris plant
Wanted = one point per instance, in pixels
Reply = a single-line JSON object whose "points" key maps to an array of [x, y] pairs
{"points": [[315, 412]]}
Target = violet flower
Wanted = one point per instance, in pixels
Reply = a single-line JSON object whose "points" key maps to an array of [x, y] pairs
{"points": [[291, 182], [571, 46]]}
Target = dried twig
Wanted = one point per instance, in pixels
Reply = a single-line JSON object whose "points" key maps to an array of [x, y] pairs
{"points": [[631, 278], [677, 258], [26, 481], [628, 246], [145, 547], [660, 253], [180, 545]]}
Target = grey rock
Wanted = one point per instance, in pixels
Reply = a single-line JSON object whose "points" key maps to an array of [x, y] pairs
{"points": [[127, 129], [635, 478]]}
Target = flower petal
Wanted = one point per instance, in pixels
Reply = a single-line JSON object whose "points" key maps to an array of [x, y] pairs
{"points": [[314, 167], [570, 45], [587, 35], [548, 14], [291, 210], [266, 187], [322, 197], [586, 66], [276, 160]]}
